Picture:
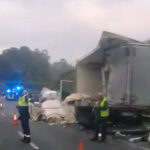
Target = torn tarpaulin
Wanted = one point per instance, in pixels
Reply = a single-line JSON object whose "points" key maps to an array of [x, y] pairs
{"points": [[56, 113]]}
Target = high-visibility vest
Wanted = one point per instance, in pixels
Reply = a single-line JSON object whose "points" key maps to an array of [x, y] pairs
{"points": [[22, 101], [103, 113]]}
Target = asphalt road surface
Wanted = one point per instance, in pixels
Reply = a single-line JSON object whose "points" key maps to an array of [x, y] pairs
{"points": [[46, 137]]}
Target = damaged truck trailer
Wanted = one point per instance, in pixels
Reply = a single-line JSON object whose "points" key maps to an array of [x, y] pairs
{"points": [[119, 67]]}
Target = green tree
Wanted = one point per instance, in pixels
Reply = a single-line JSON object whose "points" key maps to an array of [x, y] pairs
{"points": [[25, 64]]}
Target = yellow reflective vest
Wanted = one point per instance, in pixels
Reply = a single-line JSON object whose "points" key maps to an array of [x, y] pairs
{"points": [[103, 112], [22, 101]]}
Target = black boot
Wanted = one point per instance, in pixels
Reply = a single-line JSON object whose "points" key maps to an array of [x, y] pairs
{"points": [[27, 140]]}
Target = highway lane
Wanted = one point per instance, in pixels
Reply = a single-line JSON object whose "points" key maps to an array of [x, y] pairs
{"points": [[46, 137]]}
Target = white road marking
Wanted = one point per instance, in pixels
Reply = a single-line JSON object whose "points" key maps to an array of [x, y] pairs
{"points": [[20, 133], [3, 114], [34, 146]]}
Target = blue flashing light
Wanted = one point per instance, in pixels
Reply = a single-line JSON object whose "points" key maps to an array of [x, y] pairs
{"points": [[18, 88], [8, 90]]}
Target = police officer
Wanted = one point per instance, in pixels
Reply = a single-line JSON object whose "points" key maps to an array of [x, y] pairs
{"points": [[101, 117], [22, 105]]}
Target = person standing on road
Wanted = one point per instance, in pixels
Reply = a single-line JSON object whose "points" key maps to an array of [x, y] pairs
{"points": [[22, 105], [101, 117], [1, 100]]}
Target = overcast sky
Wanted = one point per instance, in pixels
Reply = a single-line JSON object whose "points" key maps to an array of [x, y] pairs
{"points": [[70, 28]]}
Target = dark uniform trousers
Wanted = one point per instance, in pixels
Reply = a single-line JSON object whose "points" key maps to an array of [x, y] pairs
{"points": [[24, 119], [101, 127]]}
